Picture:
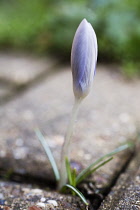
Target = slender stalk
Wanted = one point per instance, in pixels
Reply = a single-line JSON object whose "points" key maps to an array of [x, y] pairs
{"points": [[65, 153]]}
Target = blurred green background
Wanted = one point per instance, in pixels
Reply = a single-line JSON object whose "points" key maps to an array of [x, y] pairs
{"points": [[48, 26]]}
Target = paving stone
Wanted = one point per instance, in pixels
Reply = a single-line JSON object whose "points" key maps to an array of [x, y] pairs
{"points": [[5, 90], [126, 192], [107, 118], [25, 197], [19, 69]]}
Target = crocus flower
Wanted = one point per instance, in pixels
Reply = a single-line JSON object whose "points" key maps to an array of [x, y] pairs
{"points": [[83, 59], [83, 62]]}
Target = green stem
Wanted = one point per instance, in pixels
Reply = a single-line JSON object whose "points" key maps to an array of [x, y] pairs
{"points": [[65, 153]]}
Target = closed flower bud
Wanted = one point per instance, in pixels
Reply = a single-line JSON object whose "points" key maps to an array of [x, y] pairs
{"points": [[83, 59]]}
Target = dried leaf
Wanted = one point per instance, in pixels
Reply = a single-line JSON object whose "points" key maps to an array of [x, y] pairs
{"points": [[6, 208]]}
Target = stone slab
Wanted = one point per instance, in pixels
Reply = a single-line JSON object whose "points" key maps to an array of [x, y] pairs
{"points": [[5, 90], [25, 197], [107, 118], [20, 69], [126, 192]]}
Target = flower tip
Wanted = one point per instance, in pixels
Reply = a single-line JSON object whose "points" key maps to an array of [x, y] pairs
{"points": [[84, 21]]}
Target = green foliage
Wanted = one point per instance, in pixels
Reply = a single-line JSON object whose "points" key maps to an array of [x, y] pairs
{"points": [[118, 32], [74, 189], [131, 69], [89, 170], [49, 26], [71, 174], [99, 163], [73, 178], [48, 153], [21, 22], [92, 167]]}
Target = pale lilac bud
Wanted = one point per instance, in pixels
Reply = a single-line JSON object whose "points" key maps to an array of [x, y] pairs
{"points": [[83, 59]]}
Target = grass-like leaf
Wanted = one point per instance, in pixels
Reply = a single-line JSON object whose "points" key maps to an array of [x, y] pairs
{"points": [[78, 193], [49, 153], [88, 173], [90, 167], [74, 177], [69, 172]]}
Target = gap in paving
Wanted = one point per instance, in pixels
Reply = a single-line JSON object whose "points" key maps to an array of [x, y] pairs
{"points": [[111, 182], [20, 89], [123, 170], [125, 193], [43, 183], [27, 179], [98, 198]]}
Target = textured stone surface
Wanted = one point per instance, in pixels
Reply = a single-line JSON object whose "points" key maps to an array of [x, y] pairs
{"points": [[5, 90], [126, 192], [107, 118], [25, 197], [19, 69]]}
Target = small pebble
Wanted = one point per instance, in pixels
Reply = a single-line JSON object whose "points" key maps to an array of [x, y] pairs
{"points": [[19, 142], [52, 202], [36, 191], [28, 115], [124, 117], [41, 204], [43, 199], [1, 196], [20, 152], [2, 153]]}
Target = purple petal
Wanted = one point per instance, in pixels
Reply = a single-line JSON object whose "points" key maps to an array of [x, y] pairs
{"points": [[83, 59]]}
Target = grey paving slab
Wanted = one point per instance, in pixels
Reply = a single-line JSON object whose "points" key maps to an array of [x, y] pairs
{"points": [[5, 90], [126, 192], [107, 118], [20, 69], [25, 197]]}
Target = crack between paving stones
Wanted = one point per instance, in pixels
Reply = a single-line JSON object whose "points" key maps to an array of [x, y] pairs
{"points": [[115, 179], [18, 178], [27, 179], [18, 90]]}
